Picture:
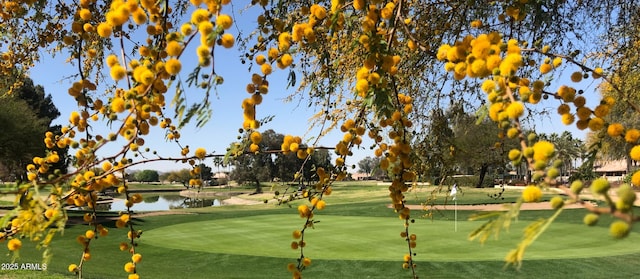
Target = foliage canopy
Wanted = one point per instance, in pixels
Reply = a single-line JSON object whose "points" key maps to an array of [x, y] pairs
{"points": [[369, 69]]}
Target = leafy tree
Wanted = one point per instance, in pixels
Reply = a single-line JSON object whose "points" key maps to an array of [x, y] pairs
{"points": [[435, 150], [19, 140], [477, 148], [182, 176], [568, 150], [164, 176], [370, 166], [218, 162], [321, 158], [28, 98], [205, 172], [252, 168], [259, 166], [367, 164], [147, 176], [37, 100]]}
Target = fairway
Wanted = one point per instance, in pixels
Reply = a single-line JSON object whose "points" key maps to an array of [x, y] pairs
{"points": [[372, 238]]}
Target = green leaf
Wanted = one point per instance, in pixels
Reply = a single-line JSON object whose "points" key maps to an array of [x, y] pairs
{"points": [[291, 79]]}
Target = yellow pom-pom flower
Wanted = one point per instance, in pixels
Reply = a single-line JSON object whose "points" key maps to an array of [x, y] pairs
{"points": [[118, 105], [545, 68], [619, 229], [173, 48], [635, 153], [136, 258], [224, 21], [514, 154], [73, 268], [14, 244], [199, 16], [129, 267], [105, 30], [531, 193], [255, 137], [600, 186], [227, 40], [568, 119], [266, 69], [117, 72], [635, 179], [543, 150], [89, 234], [200, 153], [596, 123], [597, 72], [515, 110], [296, 234], [286, 60], [632, 135], [173, 66]]}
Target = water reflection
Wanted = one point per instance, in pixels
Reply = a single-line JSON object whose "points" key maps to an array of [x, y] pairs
{"points": [[159, 202]]}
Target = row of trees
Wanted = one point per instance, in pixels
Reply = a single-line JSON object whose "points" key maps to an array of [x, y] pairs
{"points": [[252, 168], [275, 165]]}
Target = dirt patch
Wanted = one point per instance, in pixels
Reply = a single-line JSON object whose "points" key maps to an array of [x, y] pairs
{"points": [[239, 201]]}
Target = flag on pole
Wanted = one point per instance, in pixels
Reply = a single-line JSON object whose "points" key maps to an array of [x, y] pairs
{"points": [[454, 191]]}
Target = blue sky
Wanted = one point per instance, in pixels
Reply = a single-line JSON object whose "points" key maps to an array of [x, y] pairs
{"points": [[222, 129]]}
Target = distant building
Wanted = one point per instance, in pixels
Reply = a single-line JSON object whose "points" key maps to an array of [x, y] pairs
{"points": [[220, 175], [360, 176], [613, 170]]}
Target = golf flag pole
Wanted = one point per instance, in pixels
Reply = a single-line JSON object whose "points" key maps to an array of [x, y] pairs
{"points": [[454, 191]]}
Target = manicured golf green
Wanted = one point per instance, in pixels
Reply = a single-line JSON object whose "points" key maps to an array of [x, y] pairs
{"points": [[351, 240], [372, 238]]}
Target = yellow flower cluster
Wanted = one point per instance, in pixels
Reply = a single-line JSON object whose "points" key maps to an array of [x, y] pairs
{"points": [[294, 144], [88, 181], [481, 56], [631, 136], [516, 11], [255, 137], [549, 64], [370, 75], [318, 203], [249, 114], [305, 211], [352, 136], [324, 181], [587, 118], [304, 33], [123, 220]]}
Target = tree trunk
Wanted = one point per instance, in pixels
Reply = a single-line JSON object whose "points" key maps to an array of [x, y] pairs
{"points": [[483, 172], [258, 187]]}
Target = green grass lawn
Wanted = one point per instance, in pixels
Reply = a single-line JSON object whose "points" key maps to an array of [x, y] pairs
{"points": [[347, 238], [352, 240]]}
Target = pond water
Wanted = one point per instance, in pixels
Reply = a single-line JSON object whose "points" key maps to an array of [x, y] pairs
{"points": [[161, 201]]}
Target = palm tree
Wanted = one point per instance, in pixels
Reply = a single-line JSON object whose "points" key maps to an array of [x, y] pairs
{"points": [[568, 149]]}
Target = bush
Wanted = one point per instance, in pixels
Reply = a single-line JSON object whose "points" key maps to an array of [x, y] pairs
{"points": [[470, 181]]}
